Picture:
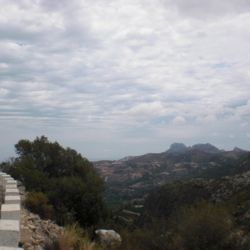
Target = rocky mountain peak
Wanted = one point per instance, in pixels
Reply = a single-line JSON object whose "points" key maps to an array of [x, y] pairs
{"points": [[206, 147], [177, 148], [238, 150]]}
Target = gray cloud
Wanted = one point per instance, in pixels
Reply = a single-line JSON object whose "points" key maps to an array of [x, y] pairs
{"points": [[112, 78], [208, 9]]}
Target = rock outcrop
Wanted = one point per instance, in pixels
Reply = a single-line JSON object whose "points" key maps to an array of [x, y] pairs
{"points": [[177, 148], [35, 232], [206, 148], [108, 238]]}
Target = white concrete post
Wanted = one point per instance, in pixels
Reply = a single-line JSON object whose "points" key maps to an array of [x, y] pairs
{"points": [[10, 213], [9, 233]]}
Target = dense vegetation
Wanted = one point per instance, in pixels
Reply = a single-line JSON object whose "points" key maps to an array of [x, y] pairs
{"points": [[196, 214], [62, 184], [192, 213], [200, 226]]}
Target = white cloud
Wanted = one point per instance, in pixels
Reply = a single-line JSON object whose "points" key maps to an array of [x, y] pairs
{"points": [[3, 92], [147, 110], [212, 8], [179, 120], [125, 69]]}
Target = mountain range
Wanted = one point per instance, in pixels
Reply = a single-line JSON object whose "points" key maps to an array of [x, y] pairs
{"points": [[131, 177]]}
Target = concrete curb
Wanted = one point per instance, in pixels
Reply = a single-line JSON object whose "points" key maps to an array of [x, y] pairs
{"points": [[10, 213]]}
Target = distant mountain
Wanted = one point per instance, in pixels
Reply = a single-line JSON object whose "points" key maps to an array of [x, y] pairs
{"points": [[239, 150], [133, 176], [127, 158], [206, 148], [180, 148], [177, 148]]}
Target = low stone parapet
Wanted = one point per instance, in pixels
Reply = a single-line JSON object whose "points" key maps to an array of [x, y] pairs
{"points": [[7, 186], [11, 182], [10, 248], [12, 199], [11, 191], [9, 233], [10, 213]]}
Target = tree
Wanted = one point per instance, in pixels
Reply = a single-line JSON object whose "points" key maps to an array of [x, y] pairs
{"points": [[69, 180]]}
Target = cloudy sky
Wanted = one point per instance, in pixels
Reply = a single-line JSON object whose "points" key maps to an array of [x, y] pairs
{"points": [[112, 78]]}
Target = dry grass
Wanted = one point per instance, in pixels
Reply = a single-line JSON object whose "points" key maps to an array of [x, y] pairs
{"points": [[73, 238]]}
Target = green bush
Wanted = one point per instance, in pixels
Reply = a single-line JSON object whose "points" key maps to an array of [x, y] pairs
{"points": [[68, 181], [166, 199], [143, 239], [203, 226], [37, 202]]}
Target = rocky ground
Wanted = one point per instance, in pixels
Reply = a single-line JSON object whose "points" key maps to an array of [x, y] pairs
{"points": [[35, 232]]}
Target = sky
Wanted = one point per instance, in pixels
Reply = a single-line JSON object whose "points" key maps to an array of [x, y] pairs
{"points": [[112, 78]]}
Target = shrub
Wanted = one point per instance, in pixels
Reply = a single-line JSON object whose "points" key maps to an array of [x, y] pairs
{"points": [[143, 239], [73, 238], [37, 202], [203, 226], [166, 199]]}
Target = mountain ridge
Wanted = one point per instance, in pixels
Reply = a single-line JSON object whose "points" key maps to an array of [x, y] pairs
{"points": [[179, 148], [131, 176]]}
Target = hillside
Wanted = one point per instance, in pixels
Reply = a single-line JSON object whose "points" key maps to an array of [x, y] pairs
{"points": [[132, 177], [185, 198], [195, 214]]}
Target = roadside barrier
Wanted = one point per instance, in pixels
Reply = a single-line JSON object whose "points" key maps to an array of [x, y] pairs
{"points": [[10, 214]]}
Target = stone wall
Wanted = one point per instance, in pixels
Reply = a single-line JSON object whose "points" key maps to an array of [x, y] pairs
{"points": [[10, 213]]}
